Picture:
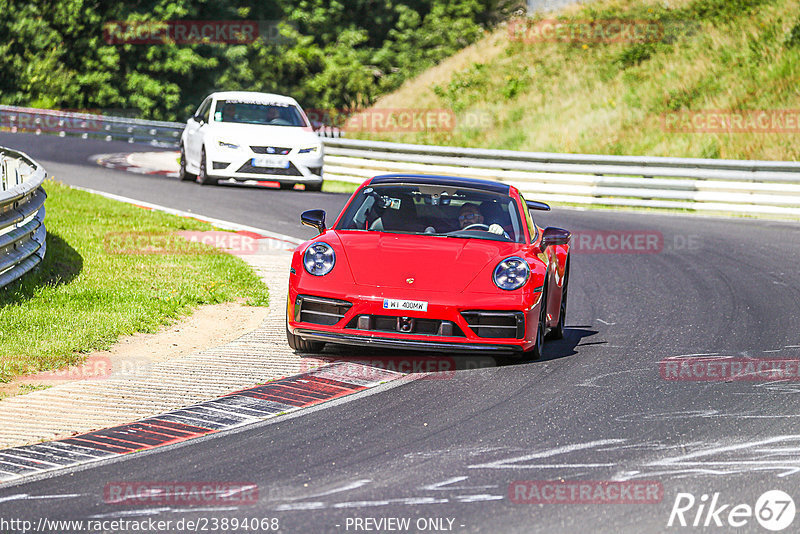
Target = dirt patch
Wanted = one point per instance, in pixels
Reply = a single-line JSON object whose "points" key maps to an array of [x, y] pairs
{"points": [[209, 326]]}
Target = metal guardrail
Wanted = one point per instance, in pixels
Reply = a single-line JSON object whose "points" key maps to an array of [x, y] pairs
{"points": [[754, 187], [22, 231], [757, 187], [91, 126]]}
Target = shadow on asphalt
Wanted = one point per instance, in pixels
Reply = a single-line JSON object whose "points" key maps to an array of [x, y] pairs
{"points": [[573, 336], [409, 361]]}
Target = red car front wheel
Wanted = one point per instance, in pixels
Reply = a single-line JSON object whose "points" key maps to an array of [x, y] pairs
{"points": [[541, 329]]}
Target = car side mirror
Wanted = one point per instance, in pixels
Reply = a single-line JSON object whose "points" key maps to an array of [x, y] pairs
{"points": [[554, 236], [314, 219], [539, 206]]}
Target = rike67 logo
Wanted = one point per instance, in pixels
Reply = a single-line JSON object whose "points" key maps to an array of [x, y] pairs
{"points": [[774, 510]]}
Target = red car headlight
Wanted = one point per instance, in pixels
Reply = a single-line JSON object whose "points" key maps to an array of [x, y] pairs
{"points": [[511, 273], [319, 259]]}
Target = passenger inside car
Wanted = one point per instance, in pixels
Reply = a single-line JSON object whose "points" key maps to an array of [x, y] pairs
{"points": [[229, 113]]}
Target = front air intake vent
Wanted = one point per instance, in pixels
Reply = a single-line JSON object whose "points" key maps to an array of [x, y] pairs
{"points": [[291, 170], [320, 310], [405, 325], [496, 324]]}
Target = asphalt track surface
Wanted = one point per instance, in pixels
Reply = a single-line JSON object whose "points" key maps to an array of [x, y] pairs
{"points": [[596, 408]]}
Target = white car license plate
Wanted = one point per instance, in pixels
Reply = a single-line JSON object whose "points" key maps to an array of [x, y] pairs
{"points": [[279, 162], [408, 305]]}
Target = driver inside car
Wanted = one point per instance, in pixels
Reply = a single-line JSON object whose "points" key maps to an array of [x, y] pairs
{"points": [[273, 114], [229, 113], [470, 215]]}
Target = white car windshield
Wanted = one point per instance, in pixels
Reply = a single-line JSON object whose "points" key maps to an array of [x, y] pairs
{"points": [[434, 210], [269, 114]]}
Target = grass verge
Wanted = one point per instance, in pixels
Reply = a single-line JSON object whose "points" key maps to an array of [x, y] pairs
{"points": [[336, 186], [85, 296]]}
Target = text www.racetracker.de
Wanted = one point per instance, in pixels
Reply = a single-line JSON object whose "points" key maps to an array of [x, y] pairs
{"points": [[200, 524]]}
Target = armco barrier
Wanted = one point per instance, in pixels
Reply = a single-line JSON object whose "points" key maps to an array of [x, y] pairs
{"points": [[22, 232], [92, 126], [757, 187], [750, 187]]}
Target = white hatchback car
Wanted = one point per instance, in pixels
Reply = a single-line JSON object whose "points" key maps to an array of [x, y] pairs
{"points": [[251, 136]]}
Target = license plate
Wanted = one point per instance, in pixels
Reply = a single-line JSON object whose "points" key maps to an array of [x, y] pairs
{"points": [[407, 305], [279, 162]]}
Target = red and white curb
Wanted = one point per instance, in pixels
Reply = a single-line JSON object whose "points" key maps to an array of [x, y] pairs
{"points": [[164, 164], [230, 411], [225, 413], [125, 162]]}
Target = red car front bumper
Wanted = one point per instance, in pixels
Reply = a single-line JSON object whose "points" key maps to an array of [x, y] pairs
{"points": [[464, 322]]}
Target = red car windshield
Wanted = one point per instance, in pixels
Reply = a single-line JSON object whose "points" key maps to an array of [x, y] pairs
{"points": [[434, 210]]}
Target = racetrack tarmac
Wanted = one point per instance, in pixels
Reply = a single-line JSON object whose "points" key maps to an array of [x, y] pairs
{"points": [[611, 401]]}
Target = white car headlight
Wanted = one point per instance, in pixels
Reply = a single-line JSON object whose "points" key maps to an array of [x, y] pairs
{"points": [[511, 273], [309, 150], [319, 259], [225, 144]]}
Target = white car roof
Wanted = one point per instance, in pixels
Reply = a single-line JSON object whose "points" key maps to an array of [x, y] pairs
{"points": [[254, 96]]}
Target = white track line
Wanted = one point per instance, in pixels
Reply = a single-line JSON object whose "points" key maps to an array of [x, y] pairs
{"points": [[219, 223]]}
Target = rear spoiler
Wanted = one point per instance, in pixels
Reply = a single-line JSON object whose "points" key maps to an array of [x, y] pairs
{"points": [[534, 205]]}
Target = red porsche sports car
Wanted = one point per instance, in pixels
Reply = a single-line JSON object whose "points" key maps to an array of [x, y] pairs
{"points": [[430, 263]]}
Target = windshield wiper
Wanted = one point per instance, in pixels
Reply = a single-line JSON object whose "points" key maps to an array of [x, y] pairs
{"points": [[491, 237]]}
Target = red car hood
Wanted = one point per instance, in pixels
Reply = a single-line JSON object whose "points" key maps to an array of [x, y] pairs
{"points": [[434, 263]]}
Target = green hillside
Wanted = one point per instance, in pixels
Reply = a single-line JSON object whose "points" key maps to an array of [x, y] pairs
{"points": [[712, 58]]}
